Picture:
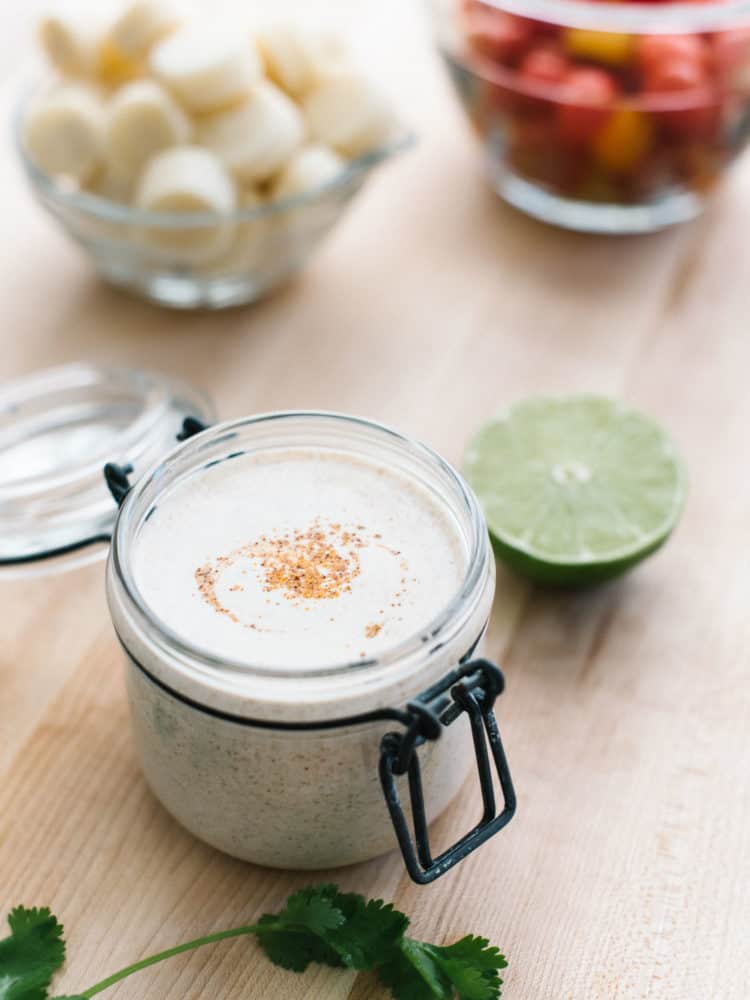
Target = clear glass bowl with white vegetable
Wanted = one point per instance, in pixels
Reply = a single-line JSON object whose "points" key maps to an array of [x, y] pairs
{"points": [[198, 163]]}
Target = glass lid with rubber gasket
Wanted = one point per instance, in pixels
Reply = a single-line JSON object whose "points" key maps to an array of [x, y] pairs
{"points": [[58, 428]]}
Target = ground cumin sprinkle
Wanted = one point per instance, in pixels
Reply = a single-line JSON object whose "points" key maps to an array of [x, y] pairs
{"points": [[319, 563], [207, 577], [307, 565]]}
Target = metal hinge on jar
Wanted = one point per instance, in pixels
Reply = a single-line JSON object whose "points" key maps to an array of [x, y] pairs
{"points": [[471, 689], [117, 477]]}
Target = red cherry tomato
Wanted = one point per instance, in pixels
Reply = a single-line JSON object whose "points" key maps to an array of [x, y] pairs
{"points": [[536, 153], [544, 65], [701, 122], [586, 99], [701, 115], [681, 64], [654, 50], [732, 56], [675, 74], [497, 35], [543, 29]]}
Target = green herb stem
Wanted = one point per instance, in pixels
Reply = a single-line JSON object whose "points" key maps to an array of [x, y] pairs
{"points": [[317, 925], [170, 953]]}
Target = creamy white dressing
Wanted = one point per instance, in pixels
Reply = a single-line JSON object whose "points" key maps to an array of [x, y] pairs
{"points": [[298, 558]]}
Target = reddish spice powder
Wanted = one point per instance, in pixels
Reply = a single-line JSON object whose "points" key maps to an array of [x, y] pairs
{"points": [[315, 564]]}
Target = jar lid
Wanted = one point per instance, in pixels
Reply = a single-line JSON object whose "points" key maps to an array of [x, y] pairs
{"points": [[58, 428]]}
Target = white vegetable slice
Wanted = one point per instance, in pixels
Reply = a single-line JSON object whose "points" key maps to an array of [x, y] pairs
{"points": [[187, 180], [205, 67], [142, 23], [112, 184], [296, 55], [64, 132], [143, 119], [308, 169], [257, 138], [348, 112], [70, 40]]}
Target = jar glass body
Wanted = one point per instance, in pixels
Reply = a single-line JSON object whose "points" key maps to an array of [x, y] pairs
{"points": [[281, 767]]}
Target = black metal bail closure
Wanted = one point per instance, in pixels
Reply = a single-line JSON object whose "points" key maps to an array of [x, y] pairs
{"points": [[118, 483], [472, 688], [190, 427], [117, 477]]}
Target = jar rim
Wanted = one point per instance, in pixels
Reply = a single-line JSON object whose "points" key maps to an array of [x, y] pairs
{"points": [[632, 18], [222, 670]]}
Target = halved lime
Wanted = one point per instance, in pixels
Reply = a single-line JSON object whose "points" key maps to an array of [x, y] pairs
{"points": [[576, 490]]}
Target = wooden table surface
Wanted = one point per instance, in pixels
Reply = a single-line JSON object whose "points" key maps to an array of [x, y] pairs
{"points": [[624, 874]]}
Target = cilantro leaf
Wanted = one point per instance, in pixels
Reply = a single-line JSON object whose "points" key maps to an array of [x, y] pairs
{"points": [[475, 950], [411, 973], [31, 955], [371, 929], [294, 950], [471, 965], [299, 934], [468, 969], [317, 924], [321, 924], [31, 986], [314, 908]]}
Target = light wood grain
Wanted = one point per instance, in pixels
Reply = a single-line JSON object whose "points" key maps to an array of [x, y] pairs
{"points": [[627, 712]]}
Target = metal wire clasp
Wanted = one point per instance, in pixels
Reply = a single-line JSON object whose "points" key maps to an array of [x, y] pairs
{"points": [[117, 477], [472, 688]]}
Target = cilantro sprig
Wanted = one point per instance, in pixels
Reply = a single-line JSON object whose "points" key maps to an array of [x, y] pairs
{"points": [[318, 924]]}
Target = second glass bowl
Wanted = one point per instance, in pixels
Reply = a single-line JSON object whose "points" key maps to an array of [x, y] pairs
{"points": [[603, 117], [201, 260]]}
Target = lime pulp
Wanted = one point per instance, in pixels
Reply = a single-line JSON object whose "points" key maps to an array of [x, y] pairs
{"points": [[576, 490]]}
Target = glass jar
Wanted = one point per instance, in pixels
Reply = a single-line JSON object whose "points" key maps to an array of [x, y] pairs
{"points": [[602, 117], [292, 767], [288, 767]]}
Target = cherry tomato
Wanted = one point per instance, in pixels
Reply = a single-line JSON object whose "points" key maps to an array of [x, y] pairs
{"points": [[535, 152], [611, 116], [544, 65], [543, 29], [586, 98], [497, 35], [701, 115], [675, 74], [655, 50], [732, 57], [701, 122]]}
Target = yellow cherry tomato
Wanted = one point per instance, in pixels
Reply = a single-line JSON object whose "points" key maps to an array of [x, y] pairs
{"points": [[608, 47], [115, 68], [623, 140]]}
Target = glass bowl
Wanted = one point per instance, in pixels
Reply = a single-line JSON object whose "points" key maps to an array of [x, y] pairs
{"points": [[602, 117], [201, 260]]}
